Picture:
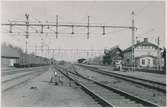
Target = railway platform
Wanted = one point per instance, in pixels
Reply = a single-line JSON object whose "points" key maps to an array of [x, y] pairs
{"points": [[161, 78], [38, 92]]}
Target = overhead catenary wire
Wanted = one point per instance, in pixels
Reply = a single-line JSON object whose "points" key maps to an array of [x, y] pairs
{"points": [[42, 26]]}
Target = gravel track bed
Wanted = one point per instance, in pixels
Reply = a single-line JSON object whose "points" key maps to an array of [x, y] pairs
{"points": [[137, 90], [15, 71], [114, 98], [13, 80]]}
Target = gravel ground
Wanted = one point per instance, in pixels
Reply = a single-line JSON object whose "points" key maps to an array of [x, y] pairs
{"points": [[150, 76], [38, 92], [137, 90]]}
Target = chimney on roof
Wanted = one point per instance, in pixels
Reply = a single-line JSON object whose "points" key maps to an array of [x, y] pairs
{"points": [[145, 39]]}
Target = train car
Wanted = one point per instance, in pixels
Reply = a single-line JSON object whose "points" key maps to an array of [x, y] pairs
{"points": [[31, 60]]}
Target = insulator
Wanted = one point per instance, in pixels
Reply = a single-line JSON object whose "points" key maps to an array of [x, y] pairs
{"points": [[10, 29], [103, 30], [56, 34], [41, 28], [72, 29], [26, 36]]}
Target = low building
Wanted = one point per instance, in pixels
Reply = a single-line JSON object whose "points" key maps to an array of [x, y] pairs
{"points": [[146, 54], [9, 55], [95, 61]]}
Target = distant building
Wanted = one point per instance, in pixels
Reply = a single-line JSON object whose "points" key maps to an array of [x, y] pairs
{"points": [[9, 55], [146, 54], [115, 56], [13, 55], [96, 60]]}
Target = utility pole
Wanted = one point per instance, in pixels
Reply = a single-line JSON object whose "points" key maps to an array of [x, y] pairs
{"points": [[10, 28], [158, 66], [88, 27], [27, 35], [27, 29], [35, 49], [56, 26], [53, 53], [133, 40], [48, 51], [41, 46], [104, 30]]}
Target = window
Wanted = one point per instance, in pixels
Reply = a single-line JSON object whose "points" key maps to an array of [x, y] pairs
{"points": [[148, 61], [154, 61], [143, 61], [127, 60]]}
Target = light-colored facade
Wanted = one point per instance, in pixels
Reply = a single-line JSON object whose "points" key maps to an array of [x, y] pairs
{"points": [[6, 61], [146, 54], [146, 61]]}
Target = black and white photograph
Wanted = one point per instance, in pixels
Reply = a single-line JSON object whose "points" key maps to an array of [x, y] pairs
{"points": [[90, 53]]}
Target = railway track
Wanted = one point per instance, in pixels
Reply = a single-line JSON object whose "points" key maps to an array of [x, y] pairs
{"points": [[16, 70], [11, 81], [105, 95], [146, 83]]}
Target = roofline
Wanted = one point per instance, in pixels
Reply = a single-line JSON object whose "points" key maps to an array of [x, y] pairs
{"points": [[9, 57], [146, 56], [135, 45]]}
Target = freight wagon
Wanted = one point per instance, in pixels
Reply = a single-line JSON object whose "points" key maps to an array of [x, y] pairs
{"points": [[30, 60]]}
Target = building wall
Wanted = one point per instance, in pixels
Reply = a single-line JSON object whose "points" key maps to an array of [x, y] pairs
{"points": [[8, 61], [127, 60], [146, 62], [140, 51], [145, 50]]}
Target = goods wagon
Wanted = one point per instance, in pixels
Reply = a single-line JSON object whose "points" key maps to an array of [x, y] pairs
{"points": [[29, 60]]}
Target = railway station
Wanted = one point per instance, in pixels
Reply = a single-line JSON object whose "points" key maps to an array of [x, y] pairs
{"points": [[76, 54]]}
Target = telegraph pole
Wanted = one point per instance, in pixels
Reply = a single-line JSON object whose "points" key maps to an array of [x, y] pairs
{"points": [[56, 26], [48, 51], [53, 53], [158, 66], [35, 49], [27, 35], [133, 40], [88, 27], [27, 29], [41, 50]]}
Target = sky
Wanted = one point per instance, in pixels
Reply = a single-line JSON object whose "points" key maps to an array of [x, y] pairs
{"points": [[149, 20]]}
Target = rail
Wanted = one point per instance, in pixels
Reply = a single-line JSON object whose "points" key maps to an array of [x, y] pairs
{"points": [[120, 92]]}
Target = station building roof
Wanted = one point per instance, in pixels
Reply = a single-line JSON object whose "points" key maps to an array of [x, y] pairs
{"points": [[143, 43]]}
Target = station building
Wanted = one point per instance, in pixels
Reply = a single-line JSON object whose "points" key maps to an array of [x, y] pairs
{"points": [[146, 55]]}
